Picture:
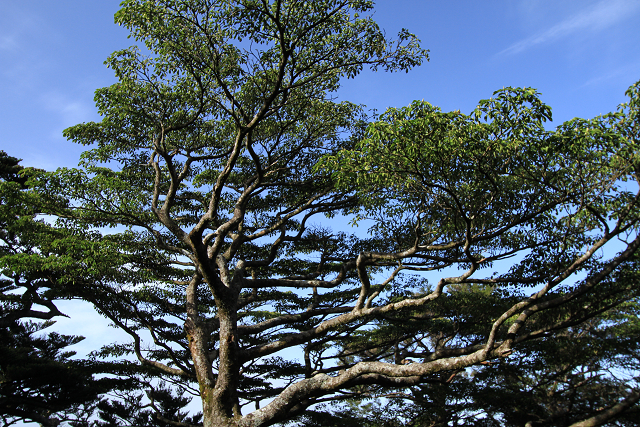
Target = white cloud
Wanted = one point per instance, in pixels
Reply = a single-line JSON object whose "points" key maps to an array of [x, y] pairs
{"points": [[7, 43], [84, 320], [628, 73], [70, 112], [600, 16]]}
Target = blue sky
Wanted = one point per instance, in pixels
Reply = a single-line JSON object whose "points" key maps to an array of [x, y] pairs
{"points": [[580, 54]]}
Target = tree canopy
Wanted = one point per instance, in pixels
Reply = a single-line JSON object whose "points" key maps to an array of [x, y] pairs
{"points": [[200, 220]]}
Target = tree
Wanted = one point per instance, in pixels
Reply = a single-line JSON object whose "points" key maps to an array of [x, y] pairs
{"points": [[39, 380], [165, 408], [581, 337], [221, 146]]}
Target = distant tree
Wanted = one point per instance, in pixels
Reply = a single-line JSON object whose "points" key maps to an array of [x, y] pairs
{"points": [[222, 160]]}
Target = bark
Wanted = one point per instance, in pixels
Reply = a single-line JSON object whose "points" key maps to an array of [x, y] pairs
{"points": [[611, 413]]}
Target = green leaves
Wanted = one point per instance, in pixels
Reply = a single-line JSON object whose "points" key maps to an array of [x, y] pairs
{"points": [[496, 169]]}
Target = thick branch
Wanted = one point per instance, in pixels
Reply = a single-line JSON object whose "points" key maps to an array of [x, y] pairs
{"points": [[632, 398]]}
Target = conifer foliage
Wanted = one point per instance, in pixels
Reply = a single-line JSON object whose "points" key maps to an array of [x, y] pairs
{"points": [[40, 380]]}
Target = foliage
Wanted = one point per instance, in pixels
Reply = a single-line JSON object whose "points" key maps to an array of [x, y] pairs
{"points": [[39, 379], [549, 382], [165, 408]]}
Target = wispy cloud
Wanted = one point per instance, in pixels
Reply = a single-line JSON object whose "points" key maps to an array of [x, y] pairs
{"points": [[600, 16], [69, 111], [628, 73], [7, 42]]}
